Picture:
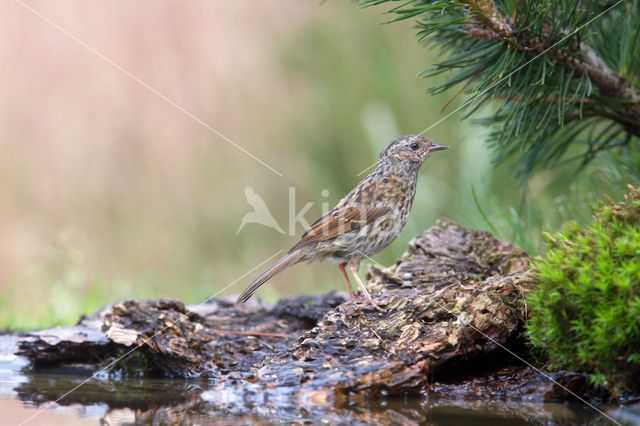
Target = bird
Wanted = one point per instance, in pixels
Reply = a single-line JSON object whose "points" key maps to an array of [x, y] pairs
{"points": [[365, 221], [260, 213]]}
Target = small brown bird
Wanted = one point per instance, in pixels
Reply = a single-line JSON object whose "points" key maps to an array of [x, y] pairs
{"points": [[366, 220]]}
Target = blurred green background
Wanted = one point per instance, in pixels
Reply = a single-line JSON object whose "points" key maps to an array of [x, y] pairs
{"points": [[109, 192]]}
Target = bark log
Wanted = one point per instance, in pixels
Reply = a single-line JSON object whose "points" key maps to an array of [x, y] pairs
{"points": [[454, 296], [453, 318]]}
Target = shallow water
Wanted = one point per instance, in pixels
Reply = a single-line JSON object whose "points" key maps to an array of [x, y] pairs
{"points": [[29, 397], [163, 401]]}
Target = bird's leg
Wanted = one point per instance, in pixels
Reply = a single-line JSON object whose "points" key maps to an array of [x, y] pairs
{"points": [[354, 269], [352, 294]]}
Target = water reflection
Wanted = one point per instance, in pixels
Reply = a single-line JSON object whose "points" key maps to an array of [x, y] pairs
{"points": [[172, 401], [175, 401]]}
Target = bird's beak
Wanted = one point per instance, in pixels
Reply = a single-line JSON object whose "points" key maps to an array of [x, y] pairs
{"points": [[436, 147]]}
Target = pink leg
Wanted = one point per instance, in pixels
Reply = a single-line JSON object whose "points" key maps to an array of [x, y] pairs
{"points": [[352, 294], [354, 269]]}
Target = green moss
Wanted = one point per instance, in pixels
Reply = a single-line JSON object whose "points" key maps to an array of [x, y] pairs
{"points": [[585, 310]]}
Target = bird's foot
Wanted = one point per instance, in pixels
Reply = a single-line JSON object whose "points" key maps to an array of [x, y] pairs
{"points": [[364, 300], [369, 302]]}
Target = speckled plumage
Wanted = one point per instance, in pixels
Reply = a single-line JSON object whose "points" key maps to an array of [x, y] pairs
{"points": [[366, 220]]}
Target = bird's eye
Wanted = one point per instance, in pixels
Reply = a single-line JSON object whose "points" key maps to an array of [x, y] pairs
{"points": [[414, 146]]}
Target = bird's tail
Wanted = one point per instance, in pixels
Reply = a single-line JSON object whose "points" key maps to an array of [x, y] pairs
{"points": [[282, 264]]}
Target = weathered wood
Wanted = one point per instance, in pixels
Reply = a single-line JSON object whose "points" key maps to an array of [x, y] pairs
{"points": [[66, 345], [453, 319], [187, 344], [453, 302], [455, 295]]}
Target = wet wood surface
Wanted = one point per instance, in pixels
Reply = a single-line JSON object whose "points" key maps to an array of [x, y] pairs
{"points": [[452, 325]]}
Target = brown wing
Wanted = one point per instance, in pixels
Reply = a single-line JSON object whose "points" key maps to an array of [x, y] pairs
{"points": [[340, 221]]}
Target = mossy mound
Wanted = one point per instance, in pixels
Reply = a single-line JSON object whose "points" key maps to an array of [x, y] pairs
{"points": [[585, 309]]}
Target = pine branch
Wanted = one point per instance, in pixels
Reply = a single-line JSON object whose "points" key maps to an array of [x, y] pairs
{"points": [[493, 26], [582, 91], [488, 16], [609, 83]]}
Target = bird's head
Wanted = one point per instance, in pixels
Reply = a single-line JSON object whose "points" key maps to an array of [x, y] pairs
{"points": [[410, 149]]}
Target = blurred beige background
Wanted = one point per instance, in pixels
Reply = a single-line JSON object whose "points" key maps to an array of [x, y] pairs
{"points": [[107, 191]]}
